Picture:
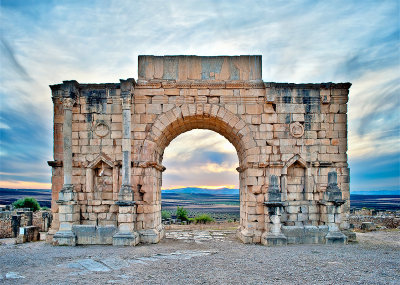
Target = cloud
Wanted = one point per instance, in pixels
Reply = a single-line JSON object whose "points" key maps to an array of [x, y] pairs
{"points": [[4, 126], [8, 54], [47, 42], [200, 158]]}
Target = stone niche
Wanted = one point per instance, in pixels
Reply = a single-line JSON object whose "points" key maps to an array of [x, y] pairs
{"points": [[101, 189], [109, 140]]}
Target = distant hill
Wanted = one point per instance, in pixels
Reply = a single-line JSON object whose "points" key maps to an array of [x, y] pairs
{"points": [[198, 190], [8, 196], [383, 200], [376, 192]]}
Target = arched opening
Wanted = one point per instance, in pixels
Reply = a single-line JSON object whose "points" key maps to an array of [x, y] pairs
{"points": [[201, 177], [149, 154]]}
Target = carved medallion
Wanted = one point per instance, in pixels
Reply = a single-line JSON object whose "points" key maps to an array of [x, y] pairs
{"points": [[101, 129], [296, 130]]}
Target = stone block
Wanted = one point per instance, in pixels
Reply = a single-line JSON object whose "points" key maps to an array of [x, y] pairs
{"points": [[126, 239], [305, 234], [153, 108], [28, 234], [270, 239], [254, 109], [150, 236], [92, 234], [368, 226], [269, 118], [64, 238], [336, 238], [351, 236]]}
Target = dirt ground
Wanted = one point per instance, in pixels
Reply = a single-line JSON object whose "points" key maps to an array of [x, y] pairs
{"points": [[205, 256]]}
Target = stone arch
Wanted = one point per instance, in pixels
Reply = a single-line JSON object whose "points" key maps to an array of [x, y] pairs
{"points": [[184, 118], [200, 116]]}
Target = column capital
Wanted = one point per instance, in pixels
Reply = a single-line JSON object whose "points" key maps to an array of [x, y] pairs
{"points": [[68, 103], [126, 102]]}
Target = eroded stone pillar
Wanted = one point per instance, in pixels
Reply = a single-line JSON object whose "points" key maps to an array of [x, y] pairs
{"points": [[126, 234], [68, 210], [274, 235]]}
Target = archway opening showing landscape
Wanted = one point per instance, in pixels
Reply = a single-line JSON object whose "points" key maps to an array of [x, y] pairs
{"points": [[200, 177]]}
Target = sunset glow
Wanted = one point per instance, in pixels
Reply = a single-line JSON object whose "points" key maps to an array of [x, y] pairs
{"points": [[24, 185], [202, 187]]}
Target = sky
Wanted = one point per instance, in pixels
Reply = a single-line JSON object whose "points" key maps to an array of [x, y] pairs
{"points": [[46, 42]]}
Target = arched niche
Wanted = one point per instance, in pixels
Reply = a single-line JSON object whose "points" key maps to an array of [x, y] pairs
{"points": [[102, 190], [294, 179]]}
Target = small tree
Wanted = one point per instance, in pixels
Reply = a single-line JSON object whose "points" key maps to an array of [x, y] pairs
{"points": [[203, 219], [181, 214], [165, 215], [27, 202]]}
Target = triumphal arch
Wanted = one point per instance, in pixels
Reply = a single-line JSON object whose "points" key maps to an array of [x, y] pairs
{"points": [[109, 140]]}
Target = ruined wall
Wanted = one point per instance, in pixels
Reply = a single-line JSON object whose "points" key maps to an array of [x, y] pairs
{"points": [[39, 219], [295, 132]]}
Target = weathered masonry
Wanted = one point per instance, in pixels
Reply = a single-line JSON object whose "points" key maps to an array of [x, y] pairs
{"points": [[109, 140]]}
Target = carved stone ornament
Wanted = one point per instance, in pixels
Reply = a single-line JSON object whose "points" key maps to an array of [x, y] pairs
{"points": [[101, 129], [68, 103], [296, 130]]}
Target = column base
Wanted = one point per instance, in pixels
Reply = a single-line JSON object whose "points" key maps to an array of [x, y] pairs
{"points": [[272, 239], [351, 236], [245, 236], [125, 239], [151, 235], [336, 238], [64, 238]]}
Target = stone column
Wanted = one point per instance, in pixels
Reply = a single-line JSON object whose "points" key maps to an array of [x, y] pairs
{"points": [[68, 210], [126, 193], [126, 234], [67, 137]]}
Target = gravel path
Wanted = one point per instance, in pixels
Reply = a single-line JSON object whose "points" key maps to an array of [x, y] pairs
{"points": [[220, 259]]}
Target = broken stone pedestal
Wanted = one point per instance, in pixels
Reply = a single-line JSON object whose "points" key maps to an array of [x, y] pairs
{"points": [[332, 201], [275, 235], [274, 205]]}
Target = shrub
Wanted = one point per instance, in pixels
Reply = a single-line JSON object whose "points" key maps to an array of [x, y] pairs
{"points": [[27, 202], [45, 208], [203, 219], [165, 215], [181, 214]]}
